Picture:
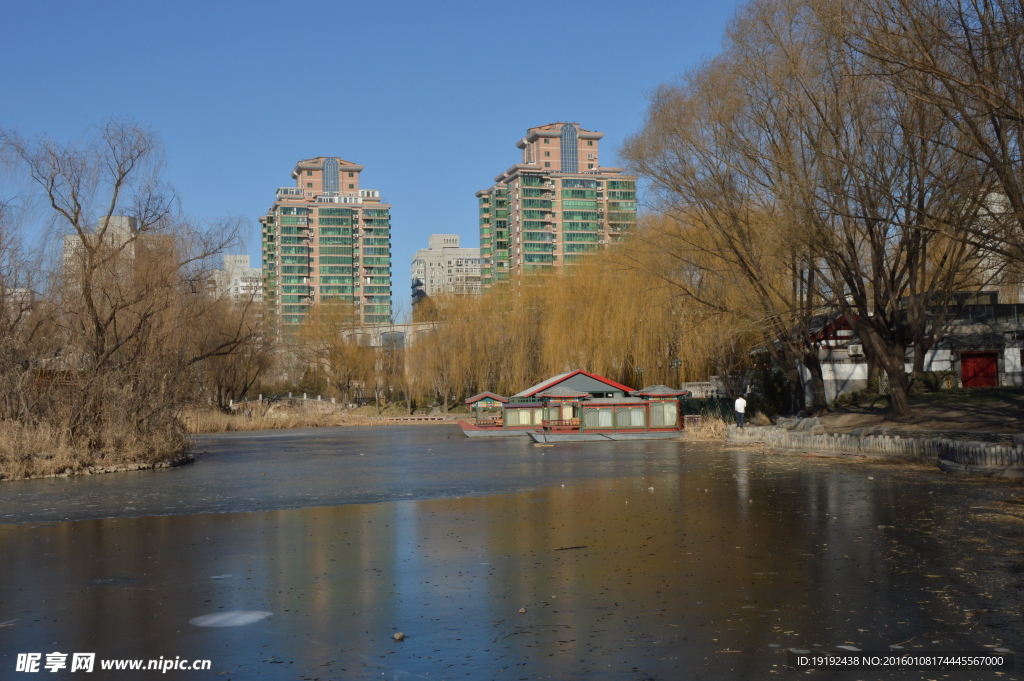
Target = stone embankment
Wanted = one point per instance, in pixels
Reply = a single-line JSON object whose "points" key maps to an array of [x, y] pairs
{"points": [[991, 454]]}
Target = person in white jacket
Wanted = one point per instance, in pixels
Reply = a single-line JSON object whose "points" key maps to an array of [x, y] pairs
{"points": [[741, 410]]}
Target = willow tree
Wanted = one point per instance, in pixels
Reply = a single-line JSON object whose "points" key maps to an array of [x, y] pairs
{"points": [[866, 186], [602, 315], [713, 158], [329, 343]]}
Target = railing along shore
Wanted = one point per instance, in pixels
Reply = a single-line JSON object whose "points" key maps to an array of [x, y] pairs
{"points": [[956, 456]]}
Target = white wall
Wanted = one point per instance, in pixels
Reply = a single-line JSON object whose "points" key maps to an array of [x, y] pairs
{"points": [[838, 378]]}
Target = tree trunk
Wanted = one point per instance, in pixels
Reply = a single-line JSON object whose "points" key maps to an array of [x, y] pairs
{"points": [[797, 401], [788, 363], [921, 349], [819, 401], [899, 402], [874, 371], [899, 398]]}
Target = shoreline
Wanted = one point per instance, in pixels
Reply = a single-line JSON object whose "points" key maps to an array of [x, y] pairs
{"points": [[183, 460], [190, 458], [989, 455]]}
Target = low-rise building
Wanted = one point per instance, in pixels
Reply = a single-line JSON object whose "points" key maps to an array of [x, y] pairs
{"points": [[981, 347], [238, 280], [445, 267]]}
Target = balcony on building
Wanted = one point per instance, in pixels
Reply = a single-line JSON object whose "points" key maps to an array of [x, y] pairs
{"points": [[339, 197]]}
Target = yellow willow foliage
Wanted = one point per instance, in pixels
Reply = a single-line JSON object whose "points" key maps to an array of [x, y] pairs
{"points": [[325, 341], [617, 314]]}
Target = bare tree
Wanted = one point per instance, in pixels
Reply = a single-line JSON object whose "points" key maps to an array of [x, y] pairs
{"points": [[885, 190], [235, 375], [129, 320], [965, 62]]}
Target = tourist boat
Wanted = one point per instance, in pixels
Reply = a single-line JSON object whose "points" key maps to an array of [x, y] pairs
{"points": [[579, 407]]}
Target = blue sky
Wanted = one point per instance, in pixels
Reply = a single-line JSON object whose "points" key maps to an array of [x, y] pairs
{"points": [[429, 96]]}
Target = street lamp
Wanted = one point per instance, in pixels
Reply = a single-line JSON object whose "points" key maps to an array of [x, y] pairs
{"points": [[676, 363]]}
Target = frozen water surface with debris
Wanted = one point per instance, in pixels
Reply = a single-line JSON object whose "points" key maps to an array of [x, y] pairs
{"points": [[302, 554]]}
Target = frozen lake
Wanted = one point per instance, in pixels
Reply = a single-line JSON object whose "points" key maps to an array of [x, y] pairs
{"points": [[298, 554]]}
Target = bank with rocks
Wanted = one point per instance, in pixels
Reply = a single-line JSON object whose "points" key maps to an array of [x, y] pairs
{"points": [[182, 460], [973, 453]]}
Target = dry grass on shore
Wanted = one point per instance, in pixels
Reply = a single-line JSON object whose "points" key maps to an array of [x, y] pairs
{"points": [[214, 421], [710, 428], [42, 450]]}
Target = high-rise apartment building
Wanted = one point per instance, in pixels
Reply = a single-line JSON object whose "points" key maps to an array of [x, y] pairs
{"points": [[493, 235], [555, 207], [326, 239], [445, 267]]}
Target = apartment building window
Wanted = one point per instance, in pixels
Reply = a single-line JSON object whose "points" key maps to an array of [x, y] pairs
{"points": [[547, 164], [351, 186], [309, 185], [331, 175], [590, 166], [351, 174], [547, 153], [590, 143], [309, 173], [570, 152]]}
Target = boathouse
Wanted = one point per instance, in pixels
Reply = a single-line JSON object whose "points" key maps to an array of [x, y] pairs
{"points": [[578, 403]]}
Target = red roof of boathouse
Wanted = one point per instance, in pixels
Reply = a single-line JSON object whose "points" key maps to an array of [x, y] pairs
{"points": [[484, 395], [560, 378]]}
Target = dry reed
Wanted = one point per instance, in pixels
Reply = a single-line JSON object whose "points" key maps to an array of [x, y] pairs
{"points": [[214, 421], [760, 420], [710, 428], [40, 450]]}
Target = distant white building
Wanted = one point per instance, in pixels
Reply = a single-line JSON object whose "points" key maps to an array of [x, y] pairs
{"points": [[445, 267], [119, 231], [238, 280]]}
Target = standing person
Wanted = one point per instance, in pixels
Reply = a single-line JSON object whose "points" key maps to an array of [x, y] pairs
{"points": [[741, 410]]}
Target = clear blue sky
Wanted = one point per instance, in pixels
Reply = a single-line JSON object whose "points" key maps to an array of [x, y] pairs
{"points": [[429, 96]]}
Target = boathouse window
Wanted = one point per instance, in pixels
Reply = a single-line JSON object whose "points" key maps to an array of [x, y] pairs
{"points": [[664, 414], [597, 418], [524, 417], [629, 417]]}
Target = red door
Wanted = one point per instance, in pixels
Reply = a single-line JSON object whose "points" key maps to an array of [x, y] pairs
{"points": [[979, 369]]}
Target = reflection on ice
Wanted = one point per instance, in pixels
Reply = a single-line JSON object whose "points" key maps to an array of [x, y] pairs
{"points": [[229, 619]]}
